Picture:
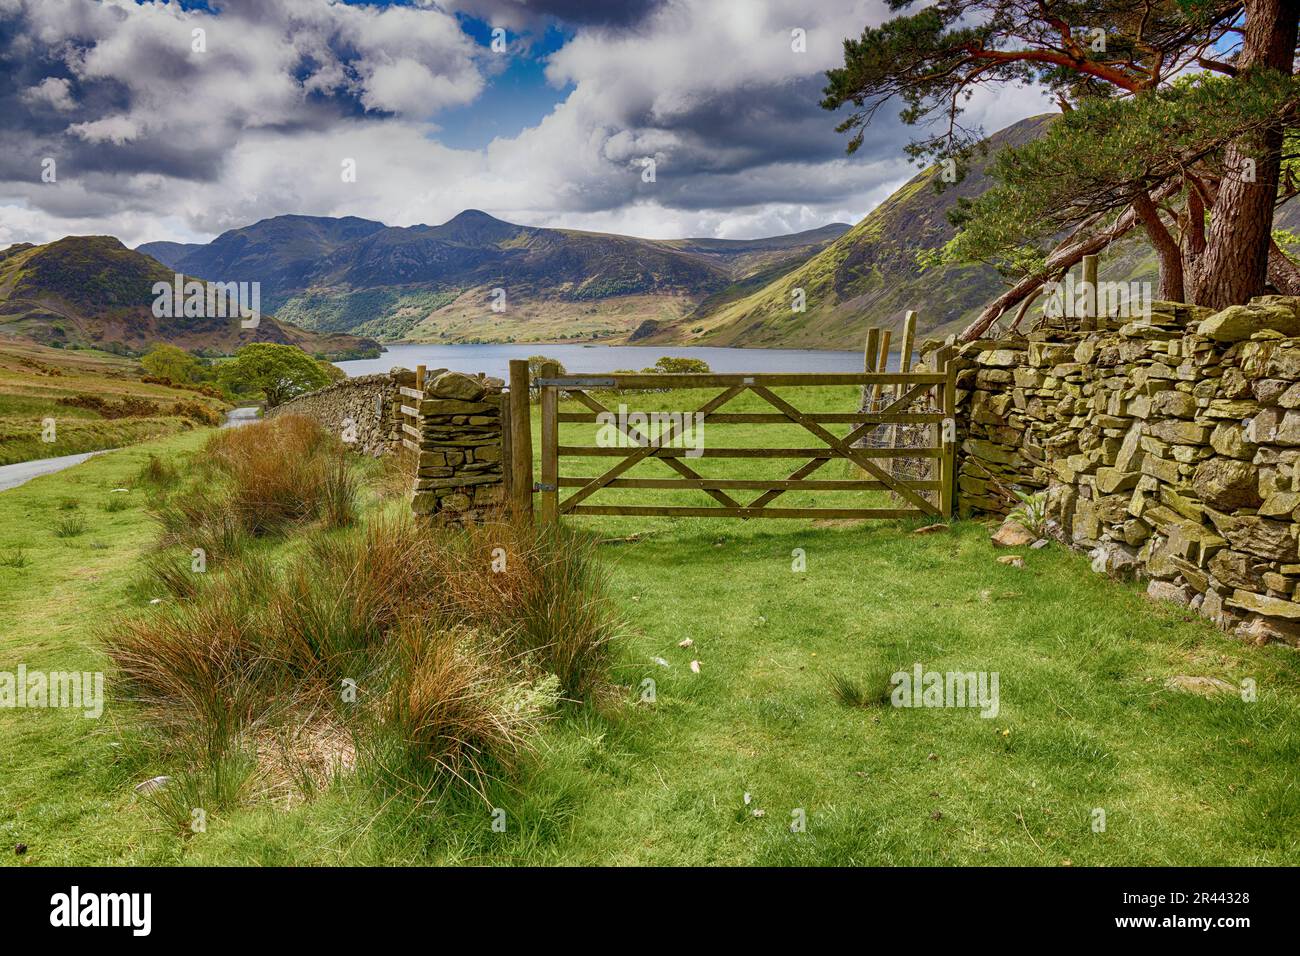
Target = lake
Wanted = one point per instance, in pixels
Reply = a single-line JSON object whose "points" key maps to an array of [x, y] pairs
{"points": [[585, 359]]}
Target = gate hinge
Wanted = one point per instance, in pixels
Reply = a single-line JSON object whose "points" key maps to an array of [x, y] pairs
{"points": [[543, 486]]}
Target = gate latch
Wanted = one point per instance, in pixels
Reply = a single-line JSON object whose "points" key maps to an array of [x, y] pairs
{"points": [[543, 486]]}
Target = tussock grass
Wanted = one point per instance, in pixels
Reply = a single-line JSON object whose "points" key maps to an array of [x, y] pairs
{"points": [[170, 573], [874, 689], [441, 649], [69, 526], [259, 480], [457, 704], [157, 473]]}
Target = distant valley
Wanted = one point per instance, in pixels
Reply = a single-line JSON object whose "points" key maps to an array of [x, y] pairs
{"points": [[436, 283]]}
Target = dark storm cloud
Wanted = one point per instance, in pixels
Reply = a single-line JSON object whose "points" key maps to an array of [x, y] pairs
{"points": [[603, 13], [755, 125]]}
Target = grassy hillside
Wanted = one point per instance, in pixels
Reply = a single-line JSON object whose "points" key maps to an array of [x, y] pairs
{"points": [[93, 292], [1085, 721], [95, 399], [868, 276]]}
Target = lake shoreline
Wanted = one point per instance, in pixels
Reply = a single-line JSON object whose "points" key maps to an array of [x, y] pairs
{"points": [[592, 357]]}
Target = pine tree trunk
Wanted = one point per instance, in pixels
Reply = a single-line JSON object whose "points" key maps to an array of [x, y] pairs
{"points": [[1234, 266], [1282, 272], [1171, 257]]}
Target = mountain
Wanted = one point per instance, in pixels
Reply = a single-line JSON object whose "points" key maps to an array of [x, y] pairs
{"points": [[92, 291], [438, 282], [868, 276], [278, 252]]}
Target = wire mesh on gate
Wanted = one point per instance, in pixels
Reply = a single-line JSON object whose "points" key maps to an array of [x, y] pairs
{"points": [[902, 436]]}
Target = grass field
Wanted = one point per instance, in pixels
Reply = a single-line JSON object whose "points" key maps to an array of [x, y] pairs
{"points": [[34, 381], [1085, 721]]}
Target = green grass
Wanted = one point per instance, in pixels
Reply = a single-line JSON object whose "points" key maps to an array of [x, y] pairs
{"points": [[1085, 719]]}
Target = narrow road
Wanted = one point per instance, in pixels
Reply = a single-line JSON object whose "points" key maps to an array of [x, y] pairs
{"points": [[11, 476]]}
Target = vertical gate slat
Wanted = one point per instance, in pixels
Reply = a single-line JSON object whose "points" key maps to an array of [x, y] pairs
{"points": [[550, 446]]}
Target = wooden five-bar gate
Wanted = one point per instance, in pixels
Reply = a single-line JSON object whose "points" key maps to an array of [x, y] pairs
{"points": [[934, 391]]}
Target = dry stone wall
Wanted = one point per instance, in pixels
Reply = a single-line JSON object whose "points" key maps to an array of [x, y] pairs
{"points": [[458, 442], [362, 411], [1167, 447], [460, 475]]}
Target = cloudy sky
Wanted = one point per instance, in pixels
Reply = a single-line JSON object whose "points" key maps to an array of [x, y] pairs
{"points": [[179, 120]]}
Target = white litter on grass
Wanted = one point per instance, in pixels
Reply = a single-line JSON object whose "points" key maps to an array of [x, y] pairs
{"points": [[661, 662], [695, 667], [152, 785], [686, 643]]}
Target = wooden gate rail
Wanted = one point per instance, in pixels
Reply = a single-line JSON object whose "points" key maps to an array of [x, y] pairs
{"points": [[411, 431], [910, 386]]}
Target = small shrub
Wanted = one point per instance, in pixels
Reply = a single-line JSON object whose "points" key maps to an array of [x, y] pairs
{"points": [[197, 412], [340, 490], [129, 407], [69, 526], [198, 518], [260, 480]]}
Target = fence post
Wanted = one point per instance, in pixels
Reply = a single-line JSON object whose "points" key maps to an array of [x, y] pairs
{"points": [[521, 444], [909, 343], [1088, 321], [882, 365], [948, 431], [419, 378], [871, 353], [550, 439]]}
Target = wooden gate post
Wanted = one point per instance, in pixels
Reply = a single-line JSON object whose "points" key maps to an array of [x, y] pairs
{"points": [[948, 431], [550, 450], [521, 444]]}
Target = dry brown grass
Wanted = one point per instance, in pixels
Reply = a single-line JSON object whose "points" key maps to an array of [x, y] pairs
{"points": [[449, 703], [258, 480]]}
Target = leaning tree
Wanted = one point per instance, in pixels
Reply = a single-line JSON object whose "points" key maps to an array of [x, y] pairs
{"points": [[1174, 120]]}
